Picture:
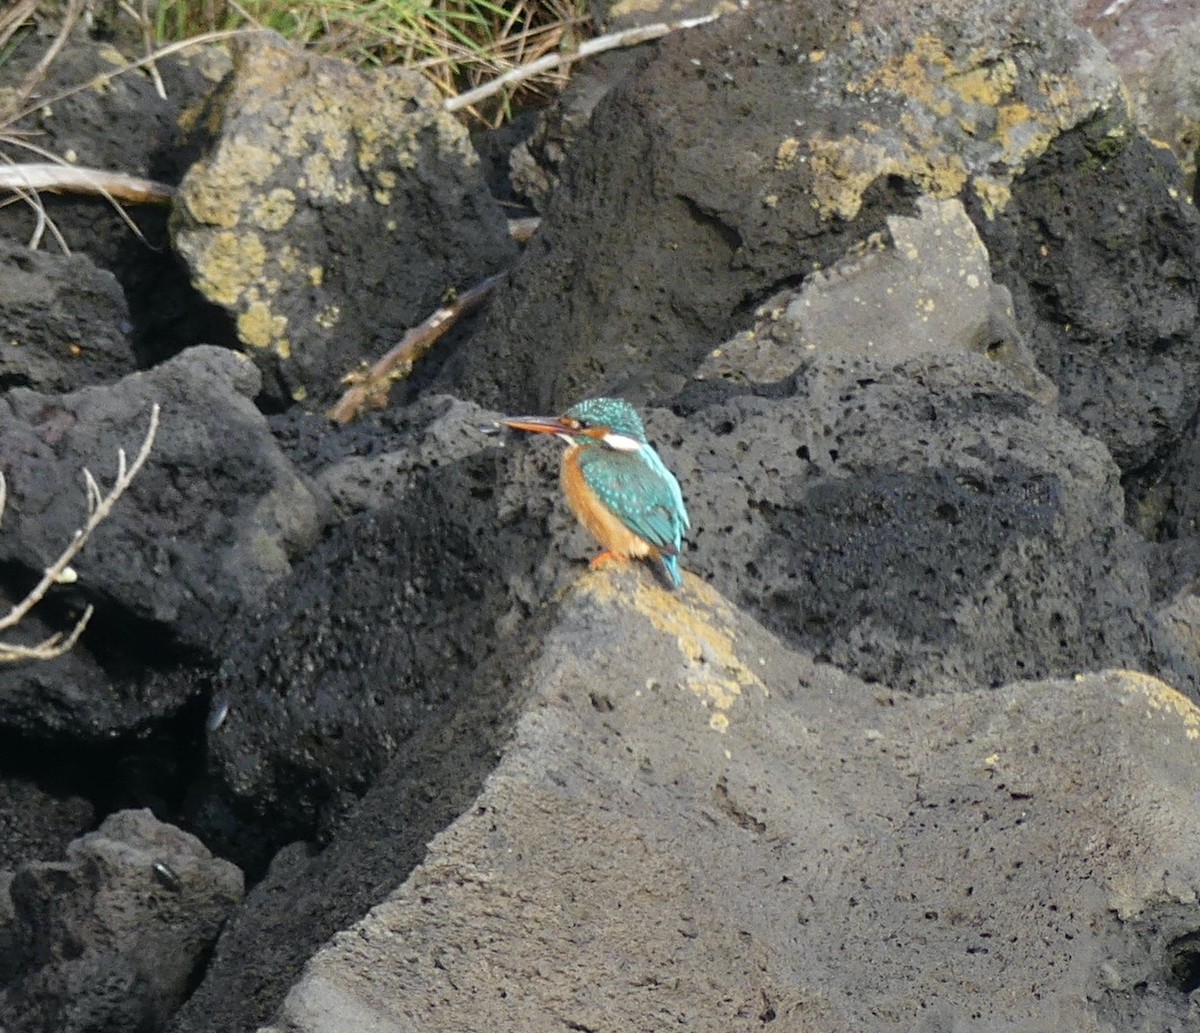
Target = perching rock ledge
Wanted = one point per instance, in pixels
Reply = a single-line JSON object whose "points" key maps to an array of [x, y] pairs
{"points": [[677, 839]]}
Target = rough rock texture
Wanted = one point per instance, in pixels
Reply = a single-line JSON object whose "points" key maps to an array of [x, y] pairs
{"points": [[37, 825], [64, 323], [109, 937], [750, 152], [122, 124], [1106, 286], [1154, 47], [333, 212], [536, 163], [829, 511], [305, 898], [383, 626], [930, 292], [924, 524], [208, 525], [677, 838], [699, 824]]}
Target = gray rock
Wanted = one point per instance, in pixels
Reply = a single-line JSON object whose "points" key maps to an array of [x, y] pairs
{"points": [[37, 825], [333, 212], [678, 837], [928, 290], [111, 936], [123, 125], [64, 323], [1154, 47], [211, 522], [383, 627], [921, 524], [445, 430], [804, 134]]}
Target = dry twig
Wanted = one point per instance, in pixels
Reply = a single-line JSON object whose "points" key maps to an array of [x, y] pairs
{"points": [[55, 178], [369, 388], [624, 38], [99, 506]]}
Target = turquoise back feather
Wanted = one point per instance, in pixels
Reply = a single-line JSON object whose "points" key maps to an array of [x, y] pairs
{"points": [[643, 494]]}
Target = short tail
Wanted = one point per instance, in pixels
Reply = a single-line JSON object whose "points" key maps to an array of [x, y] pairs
{"points": [[671, 565]]}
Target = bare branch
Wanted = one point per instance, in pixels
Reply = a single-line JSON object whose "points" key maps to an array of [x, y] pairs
{"points": [[624, 38], [49, 648], [369, 388], [59, 177], [99, 507]]}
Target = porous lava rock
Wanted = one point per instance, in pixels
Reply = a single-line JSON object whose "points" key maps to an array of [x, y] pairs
{"points": [[36, 824], [64, 323], [212, 520], [749, 153], [93, 109], [744, 154], [334, 210], [928, 291], [384, 625], [677, 838], [922, 524], [108, 938]]}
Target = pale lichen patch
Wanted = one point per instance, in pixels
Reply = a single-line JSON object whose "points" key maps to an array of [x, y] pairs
{"points": [[274, 211], [259, 327], [1160, 698], [225, 262], [701, 624]]}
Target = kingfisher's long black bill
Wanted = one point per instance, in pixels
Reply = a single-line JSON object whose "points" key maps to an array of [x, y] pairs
{"points": [[537, 424]]}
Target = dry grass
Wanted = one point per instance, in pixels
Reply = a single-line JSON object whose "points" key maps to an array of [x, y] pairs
{"points": [[456, 44]]}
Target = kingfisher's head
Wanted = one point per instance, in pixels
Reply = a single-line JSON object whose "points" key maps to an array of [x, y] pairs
{"points": [[604, 422]]}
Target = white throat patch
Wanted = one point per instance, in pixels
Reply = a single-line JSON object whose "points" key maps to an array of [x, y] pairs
{"points": [[621, 443]]}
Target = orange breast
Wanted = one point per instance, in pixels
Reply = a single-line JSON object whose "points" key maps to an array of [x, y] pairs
{"points": [[600, 521]]}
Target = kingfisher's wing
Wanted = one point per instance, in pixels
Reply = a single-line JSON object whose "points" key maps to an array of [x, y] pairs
{"points": [[642, 493]]}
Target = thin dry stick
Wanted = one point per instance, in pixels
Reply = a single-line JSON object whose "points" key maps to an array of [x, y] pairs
{"points": [[103, 77], [38, 72], [99, 506], [370, 388], [624, 38], [15, 17], [76, 179]]}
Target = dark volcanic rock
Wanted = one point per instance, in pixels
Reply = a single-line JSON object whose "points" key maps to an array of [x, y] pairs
{"points": [[680, 837], [37, 825], [383, 627], [1107, 287], [923, 525], [754, 150], [111, 935], [208, 525], [333, 212], [930, 292], [99, 116], [438, 769], [64, 323]]}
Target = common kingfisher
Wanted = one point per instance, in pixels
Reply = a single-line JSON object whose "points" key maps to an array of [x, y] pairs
{"points": [[615, 482]]}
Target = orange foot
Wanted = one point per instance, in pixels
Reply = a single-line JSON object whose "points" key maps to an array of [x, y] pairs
{"points": [[607, 556]]}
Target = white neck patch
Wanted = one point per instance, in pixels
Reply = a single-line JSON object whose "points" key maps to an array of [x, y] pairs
{"points": [[621, 443]]}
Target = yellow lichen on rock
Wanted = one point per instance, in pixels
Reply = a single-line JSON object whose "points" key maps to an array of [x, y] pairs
{"points": [[993, 194], [218, 192], [259, 327], [947, 105], [1161, 698], [701, 622], [225, 263], [274, 211], [843, 170]]}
